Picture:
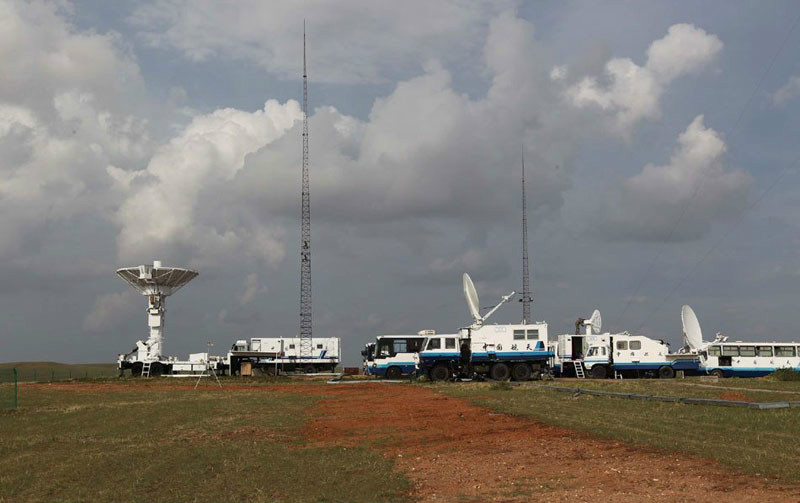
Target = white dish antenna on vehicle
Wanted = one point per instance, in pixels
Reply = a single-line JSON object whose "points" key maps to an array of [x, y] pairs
{"points": [[157, 282], [474, 304], [596, 322], [472, 298], [692, 334]]}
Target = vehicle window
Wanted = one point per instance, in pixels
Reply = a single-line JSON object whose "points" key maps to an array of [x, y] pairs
{"points": [[622, 345], [400, 346], [319, 346], [784, 351], [730, 350], [519, 335], [592, 352], [764, 350], [415, 345], [714, 351], [636, 345], [450, 343], [291, 346], [533, 333], [747, 351], [434, 343], [603, 349]]}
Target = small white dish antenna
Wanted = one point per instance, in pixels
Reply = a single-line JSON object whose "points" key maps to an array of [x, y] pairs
{"points": [[472, 298], [692, 334], [596, 321], [474, 304]]}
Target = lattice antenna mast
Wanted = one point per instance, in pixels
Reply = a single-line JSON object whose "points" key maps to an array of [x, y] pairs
{"points": [[526, 290], [306, 346]]}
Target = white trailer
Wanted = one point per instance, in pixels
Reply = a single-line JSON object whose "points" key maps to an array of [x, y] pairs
{"points": [[601, 355], [262, 355]]}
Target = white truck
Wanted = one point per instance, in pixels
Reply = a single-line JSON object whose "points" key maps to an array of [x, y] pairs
{"points": [[600, 355], [262, 355], [518, 351]]}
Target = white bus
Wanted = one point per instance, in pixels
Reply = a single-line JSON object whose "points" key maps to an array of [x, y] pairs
{"points": [[394, 356]]}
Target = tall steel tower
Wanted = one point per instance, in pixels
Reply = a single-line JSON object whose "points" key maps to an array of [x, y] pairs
{"points": [[306, 346], [526, 289]]}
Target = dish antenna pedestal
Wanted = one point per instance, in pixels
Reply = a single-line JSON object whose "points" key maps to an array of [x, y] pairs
{"points": [[157, 283]]}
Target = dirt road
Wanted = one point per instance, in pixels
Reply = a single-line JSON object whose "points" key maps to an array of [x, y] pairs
{"points": [[455, 451]]}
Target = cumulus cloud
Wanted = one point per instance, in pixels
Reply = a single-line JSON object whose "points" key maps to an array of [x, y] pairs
{"points": [[787, 92], [176, 208], [653, 201], [66, 102], [352, 40], [631, 93]]}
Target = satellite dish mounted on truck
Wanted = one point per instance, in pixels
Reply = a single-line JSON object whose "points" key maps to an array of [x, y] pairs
{"points": [[471, 295]]}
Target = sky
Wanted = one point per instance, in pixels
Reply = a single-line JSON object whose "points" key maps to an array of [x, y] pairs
{"points": [[660, 144]]}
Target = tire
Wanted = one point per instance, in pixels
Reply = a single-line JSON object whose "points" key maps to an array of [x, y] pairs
{"points": [[440, 372], [499, 372], [521, 372], [718, 373], [599, 372], [393, 373], [156, 369], [666, 372], [310, 369], [136, 369]]}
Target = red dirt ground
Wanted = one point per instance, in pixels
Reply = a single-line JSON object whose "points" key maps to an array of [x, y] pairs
{"points": [[735, 396], [455, 451]]}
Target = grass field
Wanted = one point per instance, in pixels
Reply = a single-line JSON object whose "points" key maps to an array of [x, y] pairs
{"points": [[148, 443], [756, 441], [53, 371]]}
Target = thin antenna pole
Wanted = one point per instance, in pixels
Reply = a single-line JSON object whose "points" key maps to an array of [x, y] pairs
{"points": [[526, 290], [306, 346]]}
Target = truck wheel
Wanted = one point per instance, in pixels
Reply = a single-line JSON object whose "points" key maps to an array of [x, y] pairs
{"points": [[393, 373], [521, 372], [440, 373], [718, 373], [156, 369], [666, 372], [599, 372], [310, 369], [136, 369], [499, 372]]}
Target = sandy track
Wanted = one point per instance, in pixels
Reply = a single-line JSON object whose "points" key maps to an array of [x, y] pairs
{"points": [[455, 451]]}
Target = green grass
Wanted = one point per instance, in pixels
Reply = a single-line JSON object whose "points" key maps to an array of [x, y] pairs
{"points": [[54, 371], [757, 441], [143, 443], [756, 390]]}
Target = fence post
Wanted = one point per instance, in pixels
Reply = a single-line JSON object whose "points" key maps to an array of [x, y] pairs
{"points": [[34, 376], [52, 375], [70, 373], [15, 390]]}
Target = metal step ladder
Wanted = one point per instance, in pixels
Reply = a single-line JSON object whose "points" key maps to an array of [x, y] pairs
{"points": [[579, 372], [146, 369]]}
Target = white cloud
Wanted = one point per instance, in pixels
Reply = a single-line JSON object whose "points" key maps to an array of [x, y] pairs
{"points": [[787, 92], [349, 40], [180, 208], [629, 92], [654, 200]]}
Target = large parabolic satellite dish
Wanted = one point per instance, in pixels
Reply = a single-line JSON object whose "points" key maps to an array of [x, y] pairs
{"points": [[596, 321], [472, 298], [157, 282], [692, 334]]}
